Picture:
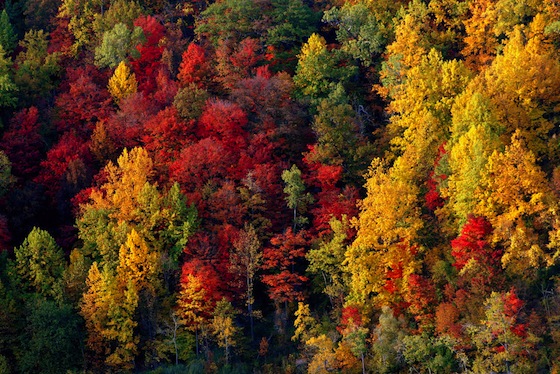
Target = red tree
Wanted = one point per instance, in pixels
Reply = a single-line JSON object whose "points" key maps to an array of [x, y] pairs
{"points": [[225, 121], [66, 163], [23, 143], [283, 281], [195, 67], [84, 103], [146, 67]]}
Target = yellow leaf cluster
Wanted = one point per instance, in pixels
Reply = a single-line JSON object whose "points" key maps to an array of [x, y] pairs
{"points": [[515, 197]]}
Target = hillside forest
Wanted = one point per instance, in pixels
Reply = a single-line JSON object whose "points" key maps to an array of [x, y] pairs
{"points": [[280, 186]]}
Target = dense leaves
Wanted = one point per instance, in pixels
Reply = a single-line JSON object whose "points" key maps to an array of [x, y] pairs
{"points": [[279, 186]]}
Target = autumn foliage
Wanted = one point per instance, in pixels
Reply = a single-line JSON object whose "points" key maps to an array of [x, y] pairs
{"points": [[280, 186]]}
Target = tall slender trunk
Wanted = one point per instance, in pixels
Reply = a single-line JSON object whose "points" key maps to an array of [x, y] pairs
{"points": [[363, 364]]}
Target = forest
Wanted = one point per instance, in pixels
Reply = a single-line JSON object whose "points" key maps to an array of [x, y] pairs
{"points": [[279, 186]]}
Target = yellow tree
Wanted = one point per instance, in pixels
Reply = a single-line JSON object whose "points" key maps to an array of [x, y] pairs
{"points": [[422, 109], [223, 326], [137, 234], [523, 83], [388, 226], [122, 83], [418, 27], [515, 197], [193, 306], [137, 264], [474, 137], [94, 307], [246, 258], [481, 44]]}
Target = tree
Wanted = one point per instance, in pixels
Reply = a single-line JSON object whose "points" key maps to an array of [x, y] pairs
{"points": [[358, 30], [6, 178], [223, 326], [422, 109], [40, 264], [429, 354], [501, 341], [387, 342], [81, 15], [8, 37], [65, 166], [236, 62], [481, 43], [123, 83], [232, 20], [354, 333], [226, 122], [474, 137], [192, 306], [117, 45], [296, 198], [388, 227], [328, 259], [245, 259], [138, 264], [319, 70], [147, 63], [190, 101], [84, 104], [293, 21], [340, 138], [8, 89], [523, 84], [284, 282], [23, 144], [515, 196], [475, 259], [37, 69], [195, 67], [53, 338]]}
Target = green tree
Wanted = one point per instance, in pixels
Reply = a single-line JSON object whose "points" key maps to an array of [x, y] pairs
{"points": [[296, 198], [501, 344], [37, 69], [8, 89], [190, 101], [339, 136], [118, 44], [428, 354], [53, 340], [327, 260], [6, 178], [82, 15], [387, 343], [474, 137], [293, 21], [358, 31], [231, 20], [120, 11], [8, 37], [40, 264], [318, 70]]}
